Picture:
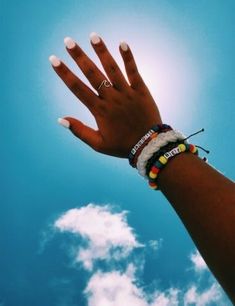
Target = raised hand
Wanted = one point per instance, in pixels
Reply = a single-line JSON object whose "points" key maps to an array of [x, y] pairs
{"points": [[123, 111]]}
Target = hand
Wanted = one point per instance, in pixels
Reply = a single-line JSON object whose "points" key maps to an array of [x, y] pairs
{"points": [[123, 112]]}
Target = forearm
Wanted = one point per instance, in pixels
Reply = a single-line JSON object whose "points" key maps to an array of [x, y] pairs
{"points": [[204, 199]]}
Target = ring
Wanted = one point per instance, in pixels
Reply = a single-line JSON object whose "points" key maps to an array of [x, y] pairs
{"points": [[105, 83]]}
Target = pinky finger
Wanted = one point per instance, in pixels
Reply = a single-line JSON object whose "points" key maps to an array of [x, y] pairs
{"points": [[88, 135], [133, 75]]}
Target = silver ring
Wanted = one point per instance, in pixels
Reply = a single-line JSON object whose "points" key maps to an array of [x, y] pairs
{"points": [[105, 83]]}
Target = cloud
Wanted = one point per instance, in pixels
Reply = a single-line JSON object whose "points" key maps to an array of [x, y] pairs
{"points": [[155, 245], [118, 289], [199, 264], [113, 288], [211, 295], [167, 298], [107, 234]]}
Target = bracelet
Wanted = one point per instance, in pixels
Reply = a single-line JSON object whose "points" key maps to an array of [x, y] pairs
{"points": [[162, 151], [153, 151], [140, 144], [153, 146], [134, 160], [161, 162]]}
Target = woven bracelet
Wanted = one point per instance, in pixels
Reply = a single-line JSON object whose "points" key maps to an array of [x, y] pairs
{"points": [[154, 135], [144, 140], [155, 145]]}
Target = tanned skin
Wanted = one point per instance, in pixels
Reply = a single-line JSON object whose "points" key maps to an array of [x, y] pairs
{"points": [[203, 198]]}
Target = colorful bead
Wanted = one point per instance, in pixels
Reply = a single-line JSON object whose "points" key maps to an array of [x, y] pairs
{"points": [[154, 169], [158, 165], [192, 148], [162, 160], [153, 185], [187, 145], [154, 135], [151, 134], [152, 175], [182, 147]]}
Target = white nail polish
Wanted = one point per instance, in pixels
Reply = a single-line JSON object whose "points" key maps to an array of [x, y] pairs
{"points": [[65, 123], [69, 42], [124, 46], [94, 38], [54, 60]]}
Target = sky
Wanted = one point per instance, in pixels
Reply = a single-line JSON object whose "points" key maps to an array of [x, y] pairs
{"points": [[81, 228]]}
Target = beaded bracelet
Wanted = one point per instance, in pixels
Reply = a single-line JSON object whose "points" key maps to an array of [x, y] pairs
{"points": [[162, 151], [153, 146], [138, 152], [140, 144], [156, 148], [161, 162]]}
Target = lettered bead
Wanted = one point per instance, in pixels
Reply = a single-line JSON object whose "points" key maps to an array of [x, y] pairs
{"points": [[163, 160]]}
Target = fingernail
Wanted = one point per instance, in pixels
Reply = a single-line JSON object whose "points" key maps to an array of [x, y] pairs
{"points": [[124, 46], [94, 38], [69, 42], [54, 60], [65, 123]]}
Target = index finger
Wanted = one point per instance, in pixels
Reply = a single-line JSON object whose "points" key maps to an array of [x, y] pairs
{"points": [[81, 90]]}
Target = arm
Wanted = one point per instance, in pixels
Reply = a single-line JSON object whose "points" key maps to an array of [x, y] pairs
{"points": [[204, 200], [202, 197]]}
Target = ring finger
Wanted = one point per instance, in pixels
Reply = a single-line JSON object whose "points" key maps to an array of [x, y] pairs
{"points": [[110, 66]]}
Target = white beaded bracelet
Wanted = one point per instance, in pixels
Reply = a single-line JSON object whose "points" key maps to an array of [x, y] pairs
{"points": [[154, 145]]}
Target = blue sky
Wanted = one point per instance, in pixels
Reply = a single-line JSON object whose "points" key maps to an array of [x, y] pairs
{"points": [[185, 53]]}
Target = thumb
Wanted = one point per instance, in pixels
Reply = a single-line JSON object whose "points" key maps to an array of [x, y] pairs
{"points": [[90, 136]]}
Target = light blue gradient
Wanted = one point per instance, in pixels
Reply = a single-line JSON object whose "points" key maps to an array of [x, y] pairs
{"points": [[185, 51]]}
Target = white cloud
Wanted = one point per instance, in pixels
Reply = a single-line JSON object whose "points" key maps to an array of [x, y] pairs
{"points": [[155, 244], [210, 295], [107, 234], [113, 289], [118, 289], [167, 298], [199, 264]]}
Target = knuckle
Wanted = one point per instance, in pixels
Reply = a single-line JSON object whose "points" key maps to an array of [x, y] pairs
{"points": [[74, 86], [101, 108], [71, 81], [89, 72], [133, 70], [112, 69]]}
